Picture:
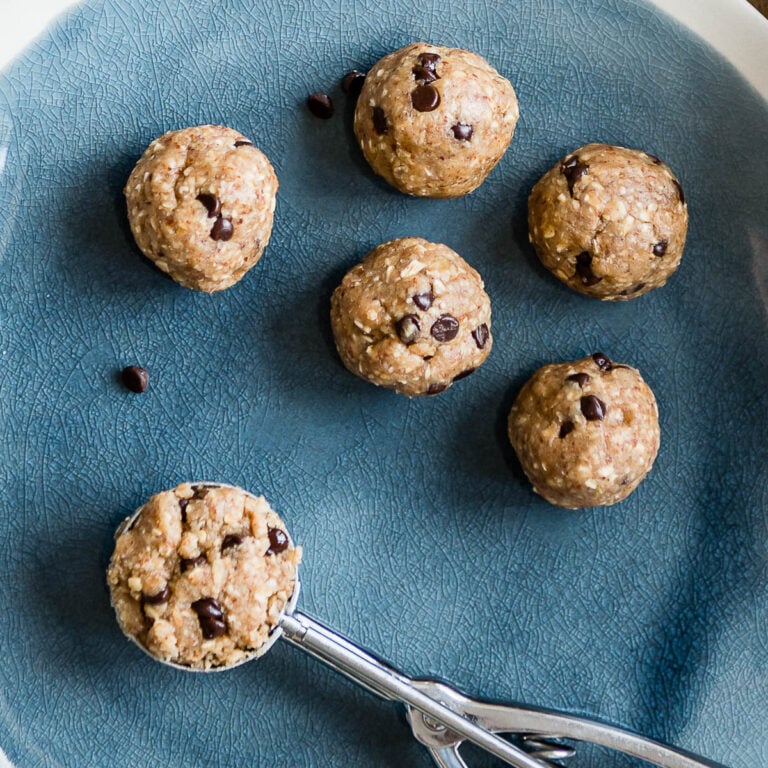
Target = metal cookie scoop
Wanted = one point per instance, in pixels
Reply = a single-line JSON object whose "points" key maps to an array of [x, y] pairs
{"points": [[442, 718]]}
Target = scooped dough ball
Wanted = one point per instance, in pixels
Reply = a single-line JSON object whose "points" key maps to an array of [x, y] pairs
{"points": [[434, 121], [586, 432], [201, 576], [609, 222], [413, 316], [200, 204]]}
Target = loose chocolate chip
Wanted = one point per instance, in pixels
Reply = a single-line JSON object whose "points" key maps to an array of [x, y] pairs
{"points": [[183, 509], [244, 143], [187, 564], [584, 269], [566, 428], [408, 328], [580, 378], [464, 374], [603, 362], [593, 408], [445, 328], [424, 74], [222, 229], [480, 335], [352, 83], [573, 169], [211, 202], [436, 389], [278, 541], [425, 98], [660, 248], [210, 616], [161, 597], [380, 121], [424, 300], [231, 540], [462, 132], [429, 60], [679, 191], [135, 378], [320, 105]]}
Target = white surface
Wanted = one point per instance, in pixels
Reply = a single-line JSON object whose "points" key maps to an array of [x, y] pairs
{"points": [[733, 27]]}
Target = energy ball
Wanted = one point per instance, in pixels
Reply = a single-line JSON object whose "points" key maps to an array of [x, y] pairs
{"points": [[200, 205], [609, 222], [201, 576], [434, 121], [412, 316], [586, 432]]}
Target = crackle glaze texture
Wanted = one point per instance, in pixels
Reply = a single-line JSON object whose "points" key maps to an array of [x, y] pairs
{"points": [[422, 539]]}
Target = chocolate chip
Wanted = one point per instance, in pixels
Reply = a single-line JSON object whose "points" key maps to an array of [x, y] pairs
{"points": [[427, 358], [580, 378], [481, 335], [584, 269], [566, 428], [278, 541], [656, 160], [201, 491], [408, 328], [573, 169], [425, 98], [424, 300], [380, 121], [464, 374], [603, 362], [445, 328], [210, 616], [211, 202], [320, 105], [436, 389], [429, 60], [135, 378], [633, 290], [244, 143], [679, 191], [660, 248], [231, 540], [424, 74], [352, 83], [161, 597], [183, 509], [462, 132], [187, 564], [222, 229], [593, 408]]}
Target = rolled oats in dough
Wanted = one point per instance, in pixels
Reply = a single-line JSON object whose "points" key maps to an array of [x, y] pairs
{"points": [[434, 121], [585, 432], [413, 316], [609, 222], [200, 204], [202, 575]]}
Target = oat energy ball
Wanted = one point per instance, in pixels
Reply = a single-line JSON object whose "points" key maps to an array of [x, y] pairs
{"points": [[586, 432], [202, 575], [434, 121], [413, 316], [609, 222], [200, 205]]}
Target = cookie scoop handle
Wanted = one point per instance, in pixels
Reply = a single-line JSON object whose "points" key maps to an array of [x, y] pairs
{"points": [[385, 681]]}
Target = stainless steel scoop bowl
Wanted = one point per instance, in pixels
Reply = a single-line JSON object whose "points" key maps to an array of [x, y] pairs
{"points": [[442, 718]]}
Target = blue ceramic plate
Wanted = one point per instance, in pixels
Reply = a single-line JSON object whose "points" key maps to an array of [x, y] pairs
{"points": [[422, 541]]}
